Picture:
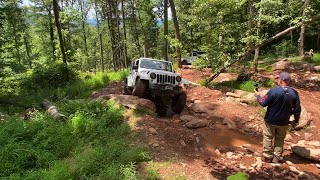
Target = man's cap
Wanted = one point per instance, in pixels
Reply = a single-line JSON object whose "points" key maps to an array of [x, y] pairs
{"points": [[284, 76]]}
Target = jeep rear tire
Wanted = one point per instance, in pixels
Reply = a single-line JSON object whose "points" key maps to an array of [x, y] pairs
{"points": [[179, 102], [140, 88]]}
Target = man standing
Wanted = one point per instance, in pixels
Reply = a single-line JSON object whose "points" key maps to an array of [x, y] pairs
{"points": [[281, 103]]}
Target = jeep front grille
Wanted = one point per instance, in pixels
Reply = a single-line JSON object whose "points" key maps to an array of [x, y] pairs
{"points": [[166, 79]]}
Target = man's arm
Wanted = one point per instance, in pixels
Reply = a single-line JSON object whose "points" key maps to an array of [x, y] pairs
{"points": [[296, 108], [265, 100]]}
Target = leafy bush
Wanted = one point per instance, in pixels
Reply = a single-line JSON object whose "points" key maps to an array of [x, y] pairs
{"points": [[56, 75], [285, 49], [92, 144], [201, 63]]}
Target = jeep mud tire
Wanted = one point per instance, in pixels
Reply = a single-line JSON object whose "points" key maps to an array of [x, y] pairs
{"points": [[127, 90], [140, 88], [179, 102]]}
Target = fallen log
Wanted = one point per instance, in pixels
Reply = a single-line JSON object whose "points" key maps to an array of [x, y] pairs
{"points": [[52, 110]]}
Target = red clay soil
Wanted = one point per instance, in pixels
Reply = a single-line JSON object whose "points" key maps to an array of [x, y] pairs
{"points": [[192, 153]]}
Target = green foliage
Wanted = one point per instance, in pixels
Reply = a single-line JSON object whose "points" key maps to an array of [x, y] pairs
{"points": [[238, 176], [316, 59], [93, 143], [201, 63], [245, 86], [152, 172], [142, 111], [56, 75], [285, 49]]}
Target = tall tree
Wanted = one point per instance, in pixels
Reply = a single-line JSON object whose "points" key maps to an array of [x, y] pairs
{"points": [[58, 25], [303, 28], [177, 32], [165, 31]]}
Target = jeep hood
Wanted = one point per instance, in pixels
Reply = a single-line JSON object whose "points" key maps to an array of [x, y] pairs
{"points": [[149, 71]]}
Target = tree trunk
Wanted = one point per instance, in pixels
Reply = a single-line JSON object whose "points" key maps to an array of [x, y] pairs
{"points": [[101, 53], [177, 32], [318, 40], [16, 46], [303, 28], [250, 49], [84, 32], [124, 35], [165, 31], [136, 33], [27, 46], [52, 110], [52, 35], [57, 20], [257, 50]]}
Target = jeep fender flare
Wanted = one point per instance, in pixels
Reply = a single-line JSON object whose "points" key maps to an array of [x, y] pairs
{"points": [[143, 76]]}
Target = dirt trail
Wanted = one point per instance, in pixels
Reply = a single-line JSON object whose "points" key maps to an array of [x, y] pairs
{"points": [[215, 152]]}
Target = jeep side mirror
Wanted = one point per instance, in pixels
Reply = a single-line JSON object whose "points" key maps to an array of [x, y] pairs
{"points": [[134, 67]]}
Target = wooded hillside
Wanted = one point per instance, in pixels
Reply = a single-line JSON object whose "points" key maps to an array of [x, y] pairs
{"points": [[94, 35]]}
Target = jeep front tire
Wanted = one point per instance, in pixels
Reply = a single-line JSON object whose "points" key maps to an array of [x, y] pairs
{"points": [[179, 102], [139, 88]]}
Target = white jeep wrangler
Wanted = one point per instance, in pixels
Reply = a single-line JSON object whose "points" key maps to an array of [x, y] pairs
{"points": [[156, 80]]}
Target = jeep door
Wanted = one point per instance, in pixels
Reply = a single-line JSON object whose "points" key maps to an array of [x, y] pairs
{"points": [[133, 73]]}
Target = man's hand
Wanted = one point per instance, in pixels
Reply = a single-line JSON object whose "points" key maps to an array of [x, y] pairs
{"points": [[256, 93]]}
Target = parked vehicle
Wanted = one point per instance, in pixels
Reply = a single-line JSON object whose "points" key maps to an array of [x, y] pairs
{"points": [[193, 56]]}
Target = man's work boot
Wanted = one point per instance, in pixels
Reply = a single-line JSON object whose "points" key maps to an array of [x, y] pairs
{"points": [[277, 159]]}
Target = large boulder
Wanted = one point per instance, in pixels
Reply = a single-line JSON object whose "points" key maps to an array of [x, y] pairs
{"points": [[249, 98], [133, 102], [286, 65], [280, 65], [193, 122], [307, 149], [202, 107], [305, 119]]}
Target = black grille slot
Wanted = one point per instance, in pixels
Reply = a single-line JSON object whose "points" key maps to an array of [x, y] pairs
{"points": [[166, 79]]}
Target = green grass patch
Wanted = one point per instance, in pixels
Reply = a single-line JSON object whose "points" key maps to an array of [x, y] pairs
{"points": [[142, 111], [238, 176], [91, 144], [245, 86]]}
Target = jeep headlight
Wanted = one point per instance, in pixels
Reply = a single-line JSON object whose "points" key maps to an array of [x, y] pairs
{"points": [[153, 75], [178, 78]]}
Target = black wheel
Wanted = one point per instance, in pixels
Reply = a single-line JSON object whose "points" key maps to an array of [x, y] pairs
{"points": [[127, 90], [140, 88], [179, 102]]}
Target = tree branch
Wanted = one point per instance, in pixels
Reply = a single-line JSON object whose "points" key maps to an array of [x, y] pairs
{"points": [[250, 49]]}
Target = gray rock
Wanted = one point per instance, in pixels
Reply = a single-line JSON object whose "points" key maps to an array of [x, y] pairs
{"points": [[307, 149], [197, 140], [183, 143], [186, 118], [197, 123], [304, 175], [217, 152], [294, 169], [231, 124], [289, 163], [132, 102], [229, 154], [230, 94], [153, 131]]}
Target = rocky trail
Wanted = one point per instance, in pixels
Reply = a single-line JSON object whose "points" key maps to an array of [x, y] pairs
{"points": [[218, 135]]}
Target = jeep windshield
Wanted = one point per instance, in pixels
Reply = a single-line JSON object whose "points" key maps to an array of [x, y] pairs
{"points": [[154, 64]]}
